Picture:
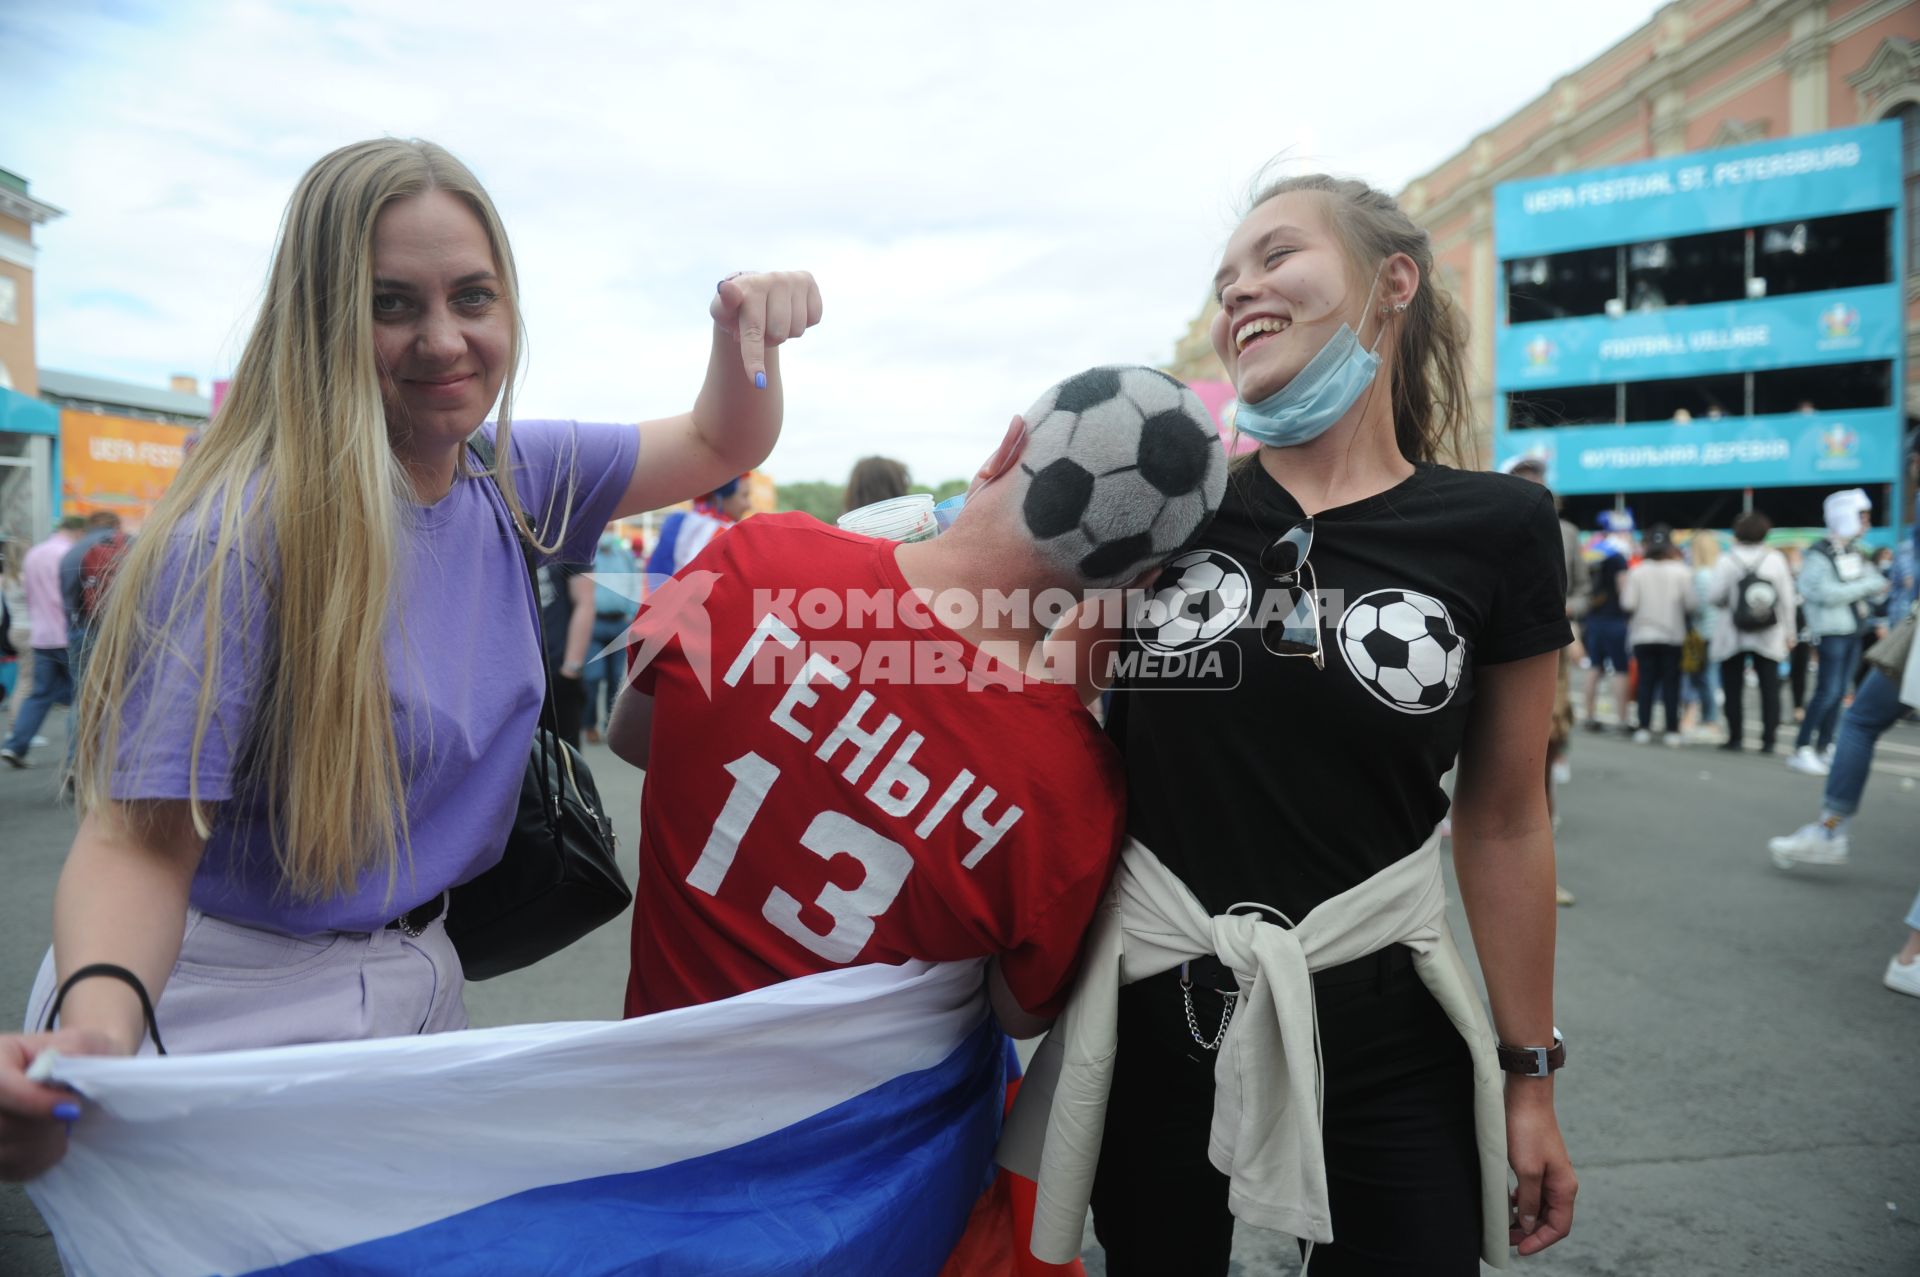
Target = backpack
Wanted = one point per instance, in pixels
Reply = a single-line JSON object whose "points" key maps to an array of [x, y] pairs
{"points": [[97, 567], [1756, 600]]}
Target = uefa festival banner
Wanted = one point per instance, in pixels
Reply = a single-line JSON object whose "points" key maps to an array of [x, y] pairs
{"points": [[1840, 448], [839, 1124], [1842, 326], [117, 464], [1779, 180]]}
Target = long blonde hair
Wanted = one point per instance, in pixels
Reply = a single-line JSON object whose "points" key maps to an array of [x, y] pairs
{"points": [[1432, 406], [292, 505]]}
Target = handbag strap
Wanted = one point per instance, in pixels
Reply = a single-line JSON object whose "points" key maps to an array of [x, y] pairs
{"points": [[482, 448]]}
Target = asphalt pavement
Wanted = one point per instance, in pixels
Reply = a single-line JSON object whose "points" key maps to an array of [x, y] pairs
{"points": [[1741, 1096]]}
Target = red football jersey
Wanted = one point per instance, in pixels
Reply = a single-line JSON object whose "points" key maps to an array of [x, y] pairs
{"points": [[853, 782]]}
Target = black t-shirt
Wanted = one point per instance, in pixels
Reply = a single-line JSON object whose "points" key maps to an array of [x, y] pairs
{"points": [[1299, 783]]}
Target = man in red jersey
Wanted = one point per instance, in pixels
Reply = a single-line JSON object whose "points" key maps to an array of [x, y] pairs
{"points": [[849, 759]]}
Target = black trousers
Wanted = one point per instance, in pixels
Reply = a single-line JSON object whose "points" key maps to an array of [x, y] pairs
{"points": [[1797, 661], [569, 706], [1403, 1168], [1733, 679], [1659, 673]]}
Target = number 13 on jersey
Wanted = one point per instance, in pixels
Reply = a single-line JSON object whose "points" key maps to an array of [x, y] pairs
{"points": [[884, 863]]}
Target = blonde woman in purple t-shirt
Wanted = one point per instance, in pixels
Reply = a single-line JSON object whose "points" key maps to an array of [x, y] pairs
{"points": [[314, 685]]}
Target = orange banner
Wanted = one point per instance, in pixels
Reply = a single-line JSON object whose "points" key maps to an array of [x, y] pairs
{"points": [[116, 463]]}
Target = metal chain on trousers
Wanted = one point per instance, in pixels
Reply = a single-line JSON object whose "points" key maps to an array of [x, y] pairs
{"points": [[1228, 1001]]}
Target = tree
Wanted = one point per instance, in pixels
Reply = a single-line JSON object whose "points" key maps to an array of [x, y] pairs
{"points": [[813, 496], [945, 489], [821, 499]]}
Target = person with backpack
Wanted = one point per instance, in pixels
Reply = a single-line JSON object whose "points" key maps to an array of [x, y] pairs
{"points": [[1752, 590], [1837, 582]]}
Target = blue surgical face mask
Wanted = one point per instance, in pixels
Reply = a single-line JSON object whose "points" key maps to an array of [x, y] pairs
{"points": [[1319, 394], [947, 511]]}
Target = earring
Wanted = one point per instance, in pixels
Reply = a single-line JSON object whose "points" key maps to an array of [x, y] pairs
{"points": [[1398, 307]]}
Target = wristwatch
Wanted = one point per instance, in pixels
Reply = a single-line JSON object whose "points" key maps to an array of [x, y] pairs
{"points": [[1533, 1061]]}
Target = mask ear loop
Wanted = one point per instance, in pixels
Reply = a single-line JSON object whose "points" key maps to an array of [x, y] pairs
{"points": [[1396, 308]]}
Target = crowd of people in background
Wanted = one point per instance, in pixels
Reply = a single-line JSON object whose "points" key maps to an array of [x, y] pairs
{"points": [[1701, 628], [1684, 623]]}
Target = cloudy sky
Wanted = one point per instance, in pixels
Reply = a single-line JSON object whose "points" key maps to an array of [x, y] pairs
{"points": [[992, 195]]}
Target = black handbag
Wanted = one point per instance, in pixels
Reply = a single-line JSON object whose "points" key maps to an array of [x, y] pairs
{"points": [[558, 878]]}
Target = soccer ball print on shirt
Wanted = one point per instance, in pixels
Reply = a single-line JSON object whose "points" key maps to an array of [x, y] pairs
{"points": [[1402, 647], [1202, 595]]}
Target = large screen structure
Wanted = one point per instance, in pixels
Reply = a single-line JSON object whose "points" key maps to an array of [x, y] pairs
{"points": [[1696, 334]]}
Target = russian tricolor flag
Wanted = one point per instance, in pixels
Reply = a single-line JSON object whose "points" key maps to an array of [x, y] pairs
{"points": [[840, 1124]]}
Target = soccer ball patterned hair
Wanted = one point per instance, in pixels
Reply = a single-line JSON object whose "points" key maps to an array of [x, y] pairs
{"points": [[1123, 468]]}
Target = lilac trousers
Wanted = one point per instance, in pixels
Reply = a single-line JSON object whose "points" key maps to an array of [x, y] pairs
{"points": [[238, 987]]}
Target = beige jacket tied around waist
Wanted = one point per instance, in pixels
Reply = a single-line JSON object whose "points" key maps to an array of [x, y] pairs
{"points": [[1267, 1108]]}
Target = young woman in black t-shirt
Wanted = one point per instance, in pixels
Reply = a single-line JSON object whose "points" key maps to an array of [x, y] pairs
{"points": [[1310, 756]]}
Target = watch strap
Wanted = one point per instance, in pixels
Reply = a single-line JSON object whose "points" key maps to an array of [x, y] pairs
{"points": [[1532, 1061]]}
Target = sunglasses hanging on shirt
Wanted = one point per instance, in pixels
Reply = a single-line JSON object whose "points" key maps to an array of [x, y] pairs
{"points": [[1297, 631]]}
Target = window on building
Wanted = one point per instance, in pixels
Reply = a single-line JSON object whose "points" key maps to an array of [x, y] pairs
{"points": [[1687, 270], [1848, 251], [1828, 388], [1561, 286], [1687, 399], [1563, 406]]}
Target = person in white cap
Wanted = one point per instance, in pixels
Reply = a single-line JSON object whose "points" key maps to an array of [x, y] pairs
{"points": [[1891, 687], [1836, 584]]}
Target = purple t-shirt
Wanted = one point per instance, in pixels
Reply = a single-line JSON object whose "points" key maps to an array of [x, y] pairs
{"points": [[463, 668]]}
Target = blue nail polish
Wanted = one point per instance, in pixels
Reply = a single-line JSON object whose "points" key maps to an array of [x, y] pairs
{"points": [[759, 381], [67, 1111]]}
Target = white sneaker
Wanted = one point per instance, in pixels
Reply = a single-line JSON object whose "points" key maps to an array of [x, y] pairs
{"points": [[1826, 755], [1671, 740], [1562, 771], [1811, 844], [1642, 736], [1806, 762], [1902, 977]]}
